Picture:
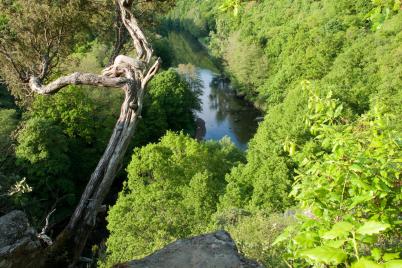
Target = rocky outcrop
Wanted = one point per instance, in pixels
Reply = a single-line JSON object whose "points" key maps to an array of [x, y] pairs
{"points": [[19, 245], [216, 250]]}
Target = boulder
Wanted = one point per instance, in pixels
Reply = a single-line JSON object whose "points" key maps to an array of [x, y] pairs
{"points": [[215, 250], [19, 245]]}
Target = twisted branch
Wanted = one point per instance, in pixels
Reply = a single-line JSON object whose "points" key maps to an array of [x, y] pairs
{"points": [[144, 50], [75, 79]]}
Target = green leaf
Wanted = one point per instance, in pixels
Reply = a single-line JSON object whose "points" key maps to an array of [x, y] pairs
{"points": [[339, 229], [364, 263], [361, 198], [394, 264], [390, 256], [282, 237], [356, 168], [335, 243], [327, 255], [372, 227], [306, 239], [376, 254]]}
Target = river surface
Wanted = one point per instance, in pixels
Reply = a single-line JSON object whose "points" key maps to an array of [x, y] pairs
{"points": [[224, 113]]}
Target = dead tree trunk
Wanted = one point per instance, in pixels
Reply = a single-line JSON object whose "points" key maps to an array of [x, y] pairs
{"points": [[133, 79], [121, 35]]}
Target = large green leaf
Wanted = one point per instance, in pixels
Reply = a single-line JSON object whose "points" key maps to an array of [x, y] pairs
{"points": [[390, 256], [372, 227], [394, 264], [338, 230], [364, 263], [327, 255], [376, 253]]}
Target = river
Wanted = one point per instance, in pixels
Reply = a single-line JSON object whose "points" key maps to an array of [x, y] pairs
{"points": [[224, 113]]}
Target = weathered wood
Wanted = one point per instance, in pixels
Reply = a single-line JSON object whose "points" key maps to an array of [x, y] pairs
{"points": [[132, 77], [121, 35], [75, 79]]}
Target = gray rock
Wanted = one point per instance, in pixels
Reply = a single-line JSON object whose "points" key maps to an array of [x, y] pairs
{"points": [[19, 245], [216, 250]]}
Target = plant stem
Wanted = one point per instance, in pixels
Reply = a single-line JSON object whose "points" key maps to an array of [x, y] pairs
{"points": [[355, 245]]}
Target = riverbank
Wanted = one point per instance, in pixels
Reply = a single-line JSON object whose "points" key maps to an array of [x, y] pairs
{"points": [[223, 112]]}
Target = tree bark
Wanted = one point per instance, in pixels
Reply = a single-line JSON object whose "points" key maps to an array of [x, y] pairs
{"points": [[121, 35], [133, 80]]}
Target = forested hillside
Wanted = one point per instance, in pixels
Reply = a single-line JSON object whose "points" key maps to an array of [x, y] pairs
{"points": [[320, 182]]}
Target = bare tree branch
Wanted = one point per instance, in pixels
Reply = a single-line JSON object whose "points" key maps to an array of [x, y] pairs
{"points": [[42, 235], [152, 71], [121, 34], [75, 79], [143, 48]]}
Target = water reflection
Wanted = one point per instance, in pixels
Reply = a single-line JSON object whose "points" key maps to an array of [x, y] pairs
{"points": [[224, 114]]}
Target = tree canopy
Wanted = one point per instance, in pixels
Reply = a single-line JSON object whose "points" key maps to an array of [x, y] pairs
{"points": [[172, 191]]}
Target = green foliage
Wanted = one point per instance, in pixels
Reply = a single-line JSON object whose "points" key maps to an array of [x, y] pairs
{"points": [[184, 48], [264, 181], [72, 109], [8, 123], [231, 5], [194, 17], [342, 144], [172, 191], [34, 31], [9, 119], [58, 146], [64, 135], [382, 11], [273, 45], [349, 188], [43, 142], [246, 63], [169, 105]]}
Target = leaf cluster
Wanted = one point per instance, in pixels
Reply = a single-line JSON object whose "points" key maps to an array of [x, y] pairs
{"points": [[349, 190]]}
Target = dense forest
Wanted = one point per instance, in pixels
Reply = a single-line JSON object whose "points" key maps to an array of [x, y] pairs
{"points": [[320, 182]]}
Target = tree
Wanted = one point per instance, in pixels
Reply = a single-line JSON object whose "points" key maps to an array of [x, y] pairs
{"points": [[68, 130], [35, 36], [169, 104], [132, 76], [172, 190]]}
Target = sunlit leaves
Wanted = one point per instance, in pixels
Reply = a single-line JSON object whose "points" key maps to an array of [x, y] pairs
{"points": [[340, 229], [172, 191], [231, 5], [350, 186], [372, 227], [382, 11], [326, 255], [365, 263]]}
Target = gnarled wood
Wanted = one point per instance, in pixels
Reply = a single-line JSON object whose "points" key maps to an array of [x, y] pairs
{"points": [[132, 76], [75, 79], [144, 50]]}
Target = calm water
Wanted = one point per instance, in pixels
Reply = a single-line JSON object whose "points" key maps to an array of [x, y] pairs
{"points": [[223, 112]]}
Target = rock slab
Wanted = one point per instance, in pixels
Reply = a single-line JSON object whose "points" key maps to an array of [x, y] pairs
{"points": [[215, 250], [19, 245]]}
